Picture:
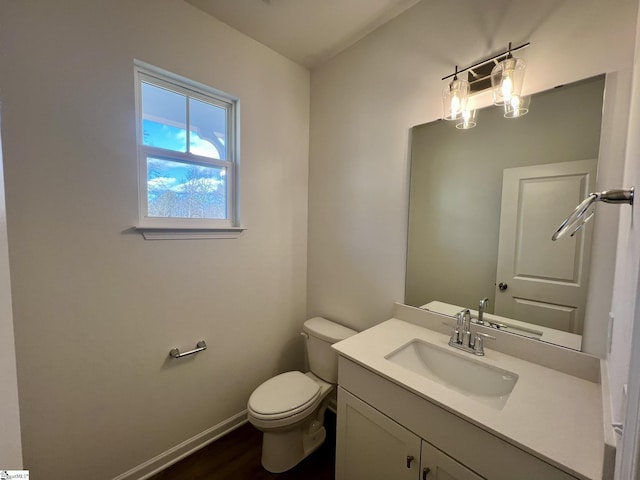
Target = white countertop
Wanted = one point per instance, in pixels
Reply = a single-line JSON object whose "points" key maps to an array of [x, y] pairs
{"points": [[552, 415]]}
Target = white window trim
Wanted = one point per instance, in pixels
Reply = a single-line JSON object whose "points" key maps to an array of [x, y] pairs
{"points": [[160, 228], [189, 233]]}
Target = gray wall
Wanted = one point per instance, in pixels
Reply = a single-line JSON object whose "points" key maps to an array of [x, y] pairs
{"points": [[96, 307], [10, 440], [456, 187]]}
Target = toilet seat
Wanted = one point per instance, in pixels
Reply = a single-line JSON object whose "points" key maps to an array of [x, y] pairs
{"points": [[283, 396]]}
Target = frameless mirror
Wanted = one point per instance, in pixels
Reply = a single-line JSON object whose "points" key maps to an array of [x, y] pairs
{"points": [[483, 206]]}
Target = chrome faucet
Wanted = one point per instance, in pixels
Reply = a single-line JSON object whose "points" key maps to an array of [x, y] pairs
{"points": [[481, 321], [465, 315], [462, 338], [481, 308]]}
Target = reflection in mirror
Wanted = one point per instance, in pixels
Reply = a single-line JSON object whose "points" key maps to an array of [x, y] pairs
{"points": [[483, 206]]}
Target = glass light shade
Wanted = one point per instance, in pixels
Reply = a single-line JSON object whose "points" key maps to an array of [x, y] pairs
{"points": [[467, 120], [507, 78], [517, 106], [454, 99]]}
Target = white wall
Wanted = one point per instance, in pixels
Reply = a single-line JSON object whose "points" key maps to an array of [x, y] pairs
{"points": [[96, 307], [10, 444], [365, 100], [626, 307], [615, 116]]}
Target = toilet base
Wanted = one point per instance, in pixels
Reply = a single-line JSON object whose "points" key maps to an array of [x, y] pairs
{"points": [[281, 451], [287, 441]]}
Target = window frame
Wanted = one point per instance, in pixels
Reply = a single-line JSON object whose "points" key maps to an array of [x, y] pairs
{"points": [[175, 227]]}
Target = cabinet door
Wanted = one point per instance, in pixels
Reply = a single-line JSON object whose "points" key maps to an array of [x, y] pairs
{"points": [[436, 465], [371, 446]]}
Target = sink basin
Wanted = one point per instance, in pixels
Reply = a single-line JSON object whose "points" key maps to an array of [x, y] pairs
{"points": [[484, 383]]}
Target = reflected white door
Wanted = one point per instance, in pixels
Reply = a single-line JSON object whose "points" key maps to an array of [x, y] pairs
{"points": [[539, 280]]}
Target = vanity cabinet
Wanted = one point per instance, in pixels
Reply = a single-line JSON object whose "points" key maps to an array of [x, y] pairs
{"points": [[371, 446], [387, 432], [436, 465]]}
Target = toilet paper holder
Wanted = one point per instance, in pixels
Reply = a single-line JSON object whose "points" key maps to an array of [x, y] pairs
{"points": [[200, 346]]}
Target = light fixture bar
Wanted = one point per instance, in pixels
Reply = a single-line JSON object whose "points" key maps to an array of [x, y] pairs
{"points": [[495, 57]]}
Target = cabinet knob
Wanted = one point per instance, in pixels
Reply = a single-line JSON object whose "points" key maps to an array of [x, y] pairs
{"points": [[502, 286], [409, 460], [425, 472]]}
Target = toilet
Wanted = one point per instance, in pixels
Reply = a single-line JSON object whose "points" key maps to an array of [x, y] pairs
{"points": [[289, 408]]}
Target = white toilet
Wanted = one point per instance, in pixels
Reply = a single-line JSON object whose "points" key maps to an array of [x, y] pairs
{"points": [[289, 408]]}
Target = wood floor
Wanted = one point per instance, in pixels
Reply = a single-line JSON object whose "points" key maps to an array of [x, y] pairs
{"points": [[236, 456]]}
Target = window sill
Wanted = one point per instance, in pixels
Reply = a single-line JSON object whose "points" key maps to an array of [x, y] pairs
{"points": [[150, 233]]}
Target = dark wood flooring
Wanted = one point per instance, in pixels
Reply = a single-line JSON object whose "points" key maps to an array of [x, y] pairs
{"points": [[236, 456]]}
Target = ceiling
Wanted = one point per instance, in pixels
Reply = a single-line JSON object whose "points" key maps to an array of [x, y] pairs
{"points": [[309, 32]]}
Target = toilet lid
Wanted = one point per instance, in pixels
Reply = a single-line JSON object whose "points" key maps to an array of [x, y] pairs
{"points": [[284, 395]]}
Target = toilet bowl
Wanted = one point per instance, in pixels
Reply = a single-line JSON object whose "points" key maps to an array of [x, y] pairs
{"points": [[289, 408]]}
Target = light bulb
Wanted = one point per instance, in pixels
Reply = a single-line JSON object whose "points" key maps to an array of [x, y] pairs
{"points": [[455, 105], [517, 106], [506, 87], [507, 79], [467, 119], [454, 98]]}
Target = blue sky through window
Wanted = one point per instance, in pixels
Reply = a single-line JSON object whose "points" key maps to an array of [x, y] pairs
{"points": [[176, 189], [179, 189], [160, 135], [183, 187]]}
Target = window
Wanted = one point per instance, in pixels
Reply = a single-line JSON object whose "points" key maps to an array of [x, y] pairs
{"points": [[186, 153]]}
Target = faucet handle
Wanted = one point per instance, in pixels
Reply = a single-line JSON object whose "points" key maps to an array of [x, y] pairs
{"points": [[478, 344], [485, 335], [455, 332], [496, 325]]}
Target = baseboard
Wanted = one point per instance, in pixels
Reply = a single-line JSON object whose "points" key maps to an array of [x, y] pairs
{"points": [[177, 453]]}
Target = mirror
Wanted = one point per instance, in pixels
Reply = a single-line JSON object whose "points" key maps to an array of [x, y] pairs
{"points": [[456, 198]]}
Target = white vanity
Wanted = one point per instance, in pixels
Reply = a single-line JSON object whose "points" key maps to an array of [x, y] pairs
{"points": [[397, 422]]}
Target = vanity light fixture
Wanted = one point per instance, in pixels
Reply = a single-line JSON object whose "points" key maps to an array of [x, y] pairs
{"points": [[517, 106], [454, 98], [507, 78], [467, 119], [503, 73]]}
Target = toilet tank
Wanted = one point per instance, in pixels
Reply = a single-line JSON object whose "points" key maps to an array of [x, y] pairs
{"points": [[320, 335]]}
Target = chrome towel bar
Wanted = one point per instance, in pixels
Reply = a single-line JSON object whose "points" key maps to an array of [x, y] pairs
{"points": [[200, 346], [582, 214]]}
